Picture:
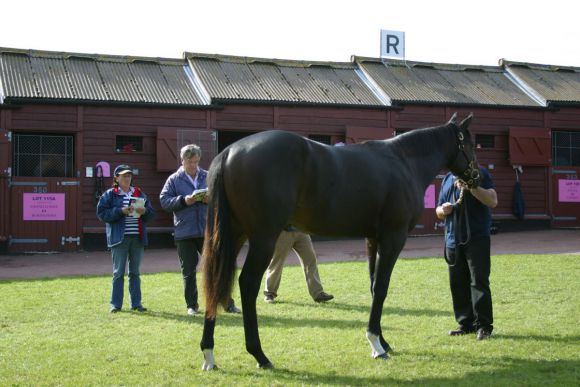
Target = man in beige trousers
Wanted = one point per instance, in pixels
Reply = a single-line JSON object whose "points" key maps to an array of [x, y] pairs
{"points": [[292, 239]]}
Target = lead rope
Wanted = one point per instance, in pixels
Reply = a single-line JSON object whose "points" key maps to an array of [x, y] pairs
{"points": [[456, 207], [460, 200], [466, 218], [99, 183]]}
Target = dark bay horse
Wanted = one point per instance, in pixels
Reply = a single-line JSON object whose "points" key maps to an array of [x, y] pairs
{"points": [[375, 190]]}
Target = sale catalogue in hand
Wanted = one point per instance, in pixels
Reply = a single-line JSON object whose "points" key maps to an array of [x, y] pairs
{"points": [[134, 204], [199, 194]]}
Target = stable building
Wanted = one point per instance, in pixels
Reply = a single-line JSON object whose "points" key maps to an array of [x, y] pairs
{"points": [[66, 120]]}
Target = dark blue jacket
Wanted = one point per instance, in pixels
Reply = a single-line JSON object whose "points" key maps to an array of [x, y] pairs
{"points": [[478, 214], [189, 221], [110, 211]]}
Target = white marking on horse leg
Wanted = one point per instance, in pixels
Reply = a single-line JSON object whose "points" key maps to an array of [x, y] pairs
{"points": [[208, 360], [376, 347]]}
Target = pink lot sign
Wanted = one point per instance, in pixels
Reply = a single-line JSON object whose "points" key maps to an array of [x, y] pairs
{"points": [[429, 198], [568, 190], [43, 206]]}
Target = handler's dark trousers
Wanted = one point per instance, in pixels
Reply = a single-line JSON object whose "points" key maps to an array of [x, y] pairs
{"points": [[469, 282], [189, 251]]}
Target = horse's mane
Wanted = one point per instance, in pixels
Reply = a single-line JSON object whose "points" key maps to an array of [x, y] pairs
{"points": [[418, 141]]}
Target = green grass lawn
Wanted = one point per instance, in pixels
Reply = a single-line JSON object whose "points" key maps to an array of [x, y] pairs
{"points": [[60, 331]]}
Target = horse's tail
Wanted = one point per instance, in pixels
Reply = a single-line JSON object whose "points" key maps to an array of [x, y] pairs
{"points": [[219, 251]]}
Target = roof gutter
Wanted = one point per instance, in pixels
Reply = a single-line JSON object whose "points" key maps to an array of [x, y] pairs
{"points": [[226, 101], [475, 105], [17, 102]]}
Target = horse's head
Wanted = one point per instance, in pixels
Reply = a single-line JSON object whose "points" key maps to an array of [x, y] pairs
{"points": [[464, 165]]}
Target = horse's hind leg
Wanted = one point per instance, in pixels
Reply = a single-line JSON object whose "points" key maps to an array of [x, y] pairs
{"points": [[372, 259], [390, 246], [259, 256], [207, 344], [207, 341]]}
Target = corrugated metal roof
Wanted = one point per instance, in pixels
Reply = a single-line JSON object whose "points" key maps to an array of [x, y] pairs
{"points": [[115, 79], [202, 79], [551, 84], [272, 80], [418, 82]]}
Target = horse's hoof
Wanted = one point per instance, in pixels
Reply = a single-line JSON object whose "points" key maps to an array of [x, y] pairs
{"points": [[383, 356], [208, 360], [209, 367], [386, 346], [265, 366]]}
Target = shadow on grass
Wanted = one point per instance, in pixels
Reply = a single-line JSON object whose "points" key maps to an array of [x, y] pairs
{"points": [[551, 339], [503, 371], [367, 308], [266, 320], [197, 320], [263, 320]]}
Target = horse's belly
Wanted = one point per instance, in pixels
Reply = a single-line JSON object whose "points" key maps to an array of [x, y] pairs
{"points": [[338, 223]]}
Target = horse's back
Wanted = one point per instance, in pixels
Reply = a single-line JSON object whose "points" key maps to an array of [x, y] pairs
{"points": [[274, 178]]}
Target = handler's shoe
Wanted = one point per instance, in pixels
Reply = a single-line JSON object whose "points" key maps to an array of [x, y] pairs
{"points": [[268, 298], [139, 309], [461, 330], [323, 297], [192, 311], [483, 333], [115, 310], [233, 309]]}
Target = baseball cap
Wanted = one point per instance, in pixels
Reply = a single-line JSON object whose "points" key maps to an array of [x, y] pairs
{"points": [[122, 169]]}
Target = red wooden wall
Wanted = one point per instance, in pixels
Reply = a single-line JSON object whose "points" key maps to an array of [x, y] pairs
{"points": [[96, 127]]}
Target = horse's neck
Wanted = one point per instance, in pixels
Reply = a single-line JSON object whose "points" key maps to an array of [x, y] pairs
{"points": [[428, 151]]}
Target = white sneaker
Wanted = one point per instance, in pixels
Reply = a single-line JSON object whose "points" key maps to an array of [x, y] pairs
{"points": [[192, 311]]}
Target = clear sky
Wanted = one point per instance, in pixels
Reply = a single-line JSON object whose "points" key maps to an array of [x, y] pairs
{"points": [[445, 31]]}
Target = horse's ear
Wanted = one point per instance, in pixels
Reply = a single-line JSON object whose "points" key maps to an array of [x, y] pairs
{"points": [[452, 119], [465, 123]]}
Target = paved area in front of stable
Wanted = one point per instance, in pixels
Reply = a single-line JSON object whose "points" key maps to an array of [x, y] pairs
{"points": [[165, 260]]}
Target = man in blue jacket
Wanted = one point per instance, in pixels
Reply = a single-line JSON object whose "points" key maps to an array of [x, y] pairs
{"points": [[467, 215], [184, 195]]}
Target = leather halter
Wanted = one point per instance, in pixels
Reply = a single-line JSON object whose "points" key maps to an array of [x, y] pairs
{"points": [[470, 175]]}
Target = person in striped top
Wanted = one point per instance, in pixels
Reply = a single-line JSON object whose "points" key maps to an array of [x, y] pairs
{"points": [[125, 209]]}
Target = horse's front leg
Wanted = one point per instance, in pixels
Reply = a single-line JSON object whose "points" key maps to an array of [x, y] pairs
{"points": [[250, 280], [389, 248]]}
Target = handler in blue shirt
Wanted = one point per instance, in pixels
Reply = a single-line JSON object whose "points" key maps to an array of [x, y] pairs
{"points": [[189, 219], [467, 250]]}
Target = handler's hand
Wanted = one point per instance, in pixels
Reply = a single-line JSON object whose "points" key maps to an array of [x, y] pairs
{"points": [[447, 208], [461, 184]]}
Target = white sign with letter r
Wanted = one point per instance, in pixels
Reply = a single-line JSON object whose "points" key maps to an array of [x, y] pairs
{"points": [[392, 44]]}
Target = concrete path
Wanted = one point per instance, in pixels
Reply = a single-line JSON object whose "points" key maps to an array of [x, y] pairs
{"points": [[165, 260]]}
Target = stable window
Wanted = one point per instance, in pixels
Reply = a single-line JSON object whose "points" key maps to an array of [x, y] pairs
{"points": [[485, 141], [128, 144], [324, 139], [566, 148], [42, 155]]}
